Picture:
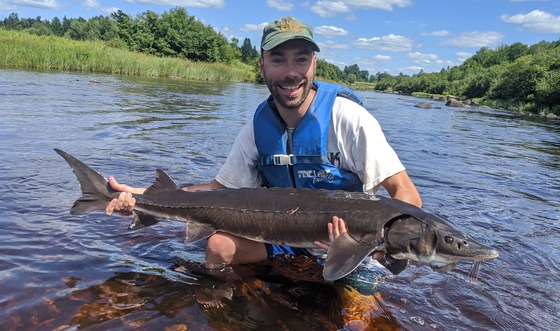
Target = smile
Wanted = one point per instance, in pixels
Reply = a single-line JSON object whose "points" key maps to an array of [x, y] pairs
{"points": [[290, 87]]}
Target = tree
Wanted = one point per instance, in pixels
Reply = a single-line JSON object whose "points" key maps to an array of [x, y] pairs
{"points": [[404, 84], [518, 81], [248, 51], [477, 85], [363, 76], [517, 50], [352, 70], [12, 22], [77, 29], [329, 71], [547, 91], [57, 28]]}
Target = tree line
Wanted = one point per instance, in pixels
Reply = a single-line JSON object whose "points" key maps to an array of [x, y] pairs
{"points": [[527, 77], [172, 34], [519, 76], [515, 76]]}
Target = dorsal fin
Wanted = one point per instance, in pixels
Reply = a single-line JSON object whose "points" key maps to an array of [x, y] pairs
{"points": [[163, 183]]}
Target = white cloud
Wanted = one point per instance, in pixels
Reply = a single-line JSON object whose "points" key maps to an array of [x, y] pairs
{"points": [[91, 4], [95, 5], [441, 33], [475, 39], [183, 3], [371, 64], [329, 31], [411, 69], [329, 44], [380, 57], [537, 20], [462, 56], [7, 7], [253, 27], [388, 43], [43, 4], [418, 57], [280, 5], [328, 8], [378, 4]]}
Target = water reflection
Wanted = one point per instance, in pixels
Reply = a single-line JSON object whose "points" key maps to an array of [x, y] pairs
{"points": [[252, 298]]}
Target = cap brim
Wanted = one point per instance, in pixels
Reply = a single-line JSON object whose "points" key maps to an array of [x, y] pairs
{"points": [[270, 45]]}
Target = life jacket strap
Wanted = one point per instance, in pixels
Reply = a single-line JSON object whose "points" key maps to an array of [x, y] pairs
{"points": [[283, 159]]}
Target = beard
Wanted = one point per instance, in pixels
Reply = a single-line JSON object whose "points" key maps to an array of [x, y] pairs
{"points": [[279, 94]]}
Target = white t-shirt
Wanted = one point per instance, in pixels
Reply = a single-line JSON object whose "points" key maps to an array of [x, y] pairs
{"points": [[355, 137]]}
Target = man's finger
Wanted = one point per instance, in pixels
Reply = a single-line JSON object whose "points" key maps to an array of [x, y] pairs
{"points": [[110, 207], [322, 245], [330, 228], [341, 226]]}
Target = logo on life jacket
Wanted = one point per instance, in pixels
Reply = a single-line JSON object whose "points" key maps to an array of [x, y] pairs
{"points": [[317, 175]]}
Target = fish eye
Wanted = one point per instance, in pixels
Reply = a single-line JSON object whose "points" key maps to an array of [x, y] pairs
{"points": [[449, 239]]}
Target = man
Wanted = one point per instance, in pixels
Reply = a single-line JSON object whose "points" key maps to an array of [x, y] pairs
{"points": [[306, 134]]}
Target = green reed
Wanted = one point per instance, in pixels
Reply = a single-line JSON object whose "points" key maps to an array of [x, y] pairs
{"points": [[23, 50]]}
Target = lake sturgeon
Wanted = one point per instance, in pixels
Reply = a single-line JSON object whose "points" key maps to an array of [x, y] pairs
{"points": [[296, 217]]}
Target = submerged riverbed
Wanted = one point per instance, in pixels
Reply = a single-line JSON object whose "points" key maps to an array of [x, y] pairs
{"points": [[494, 173]]}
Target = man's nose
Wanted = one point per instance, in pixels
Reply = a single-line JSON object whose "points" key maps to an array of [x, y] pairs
{"points": [[292, 68]]}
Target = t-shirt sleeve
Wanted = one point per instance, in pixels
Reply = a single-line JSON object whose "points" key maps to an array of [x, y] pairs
{"points": [[240, 168], [367, 152]]}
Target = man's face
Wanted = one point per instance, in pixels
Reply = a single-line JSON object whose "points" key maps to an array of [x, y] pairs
{"points": [[289, 70]]}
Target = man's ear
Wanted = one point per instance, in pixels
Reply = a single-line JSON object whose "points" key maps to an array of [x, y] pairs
{"points": [[261, 62]]}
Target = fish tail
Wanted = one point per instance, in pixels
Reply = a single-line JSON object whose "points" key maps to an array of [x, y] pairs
{"points": [[96, 192]]}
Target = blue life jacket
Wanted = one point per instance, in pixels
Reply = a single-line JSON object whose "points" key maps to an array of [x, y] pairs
{"points": [[308, 165]]}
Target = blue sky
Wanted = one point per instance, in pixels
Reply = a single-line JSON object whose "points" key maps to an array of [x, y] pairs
{"points": [[379, 35]]}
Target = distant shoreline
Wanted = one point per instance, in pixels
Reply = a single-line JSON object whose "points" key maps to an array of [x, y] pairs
{"points": [[24, 50]]}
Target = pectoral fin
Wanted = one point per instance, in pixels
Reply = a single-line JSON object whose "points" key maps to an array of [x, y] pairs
{"points": [[395, 266], [142, 220], [344, 256], [197, 232]]}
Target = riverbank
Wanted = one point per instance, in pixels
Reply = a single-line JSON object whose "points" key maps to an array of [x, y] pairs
{"points": [[23, 50]]}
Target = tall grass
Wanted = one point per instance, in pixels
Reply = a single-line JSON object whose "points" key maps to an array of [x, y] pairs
{"points": [[23, 50]]}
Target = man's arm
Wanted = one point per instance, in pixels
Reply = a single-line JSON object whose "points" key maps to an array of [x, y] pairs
{"points": [[399, 186]]}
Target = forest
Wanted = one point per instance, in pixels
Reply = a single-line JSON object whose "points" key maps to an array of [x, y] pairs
{"points": [[517, 76]]}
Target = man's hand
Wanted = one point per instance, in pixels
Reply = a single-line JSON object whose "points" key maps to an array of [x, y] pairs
{"points": [[125, 203], [337, 227]]}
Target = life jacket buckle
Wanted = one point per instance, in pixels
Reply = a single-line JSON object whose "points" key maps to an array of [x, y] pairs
{"points": [[283, 159]]}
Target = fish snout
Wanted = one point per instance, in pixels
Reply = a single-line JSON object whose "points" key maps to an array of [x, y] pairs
{"points": [[466, 248], [490, 255]]}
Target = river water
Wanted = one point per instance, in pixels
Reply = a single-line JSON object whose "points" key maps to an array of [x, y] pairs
{"points": [[494, 173]]}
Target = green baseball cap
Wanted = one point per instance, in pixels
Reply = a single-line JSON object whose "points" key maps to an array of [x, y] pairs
{"points": [[285, 29]]}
